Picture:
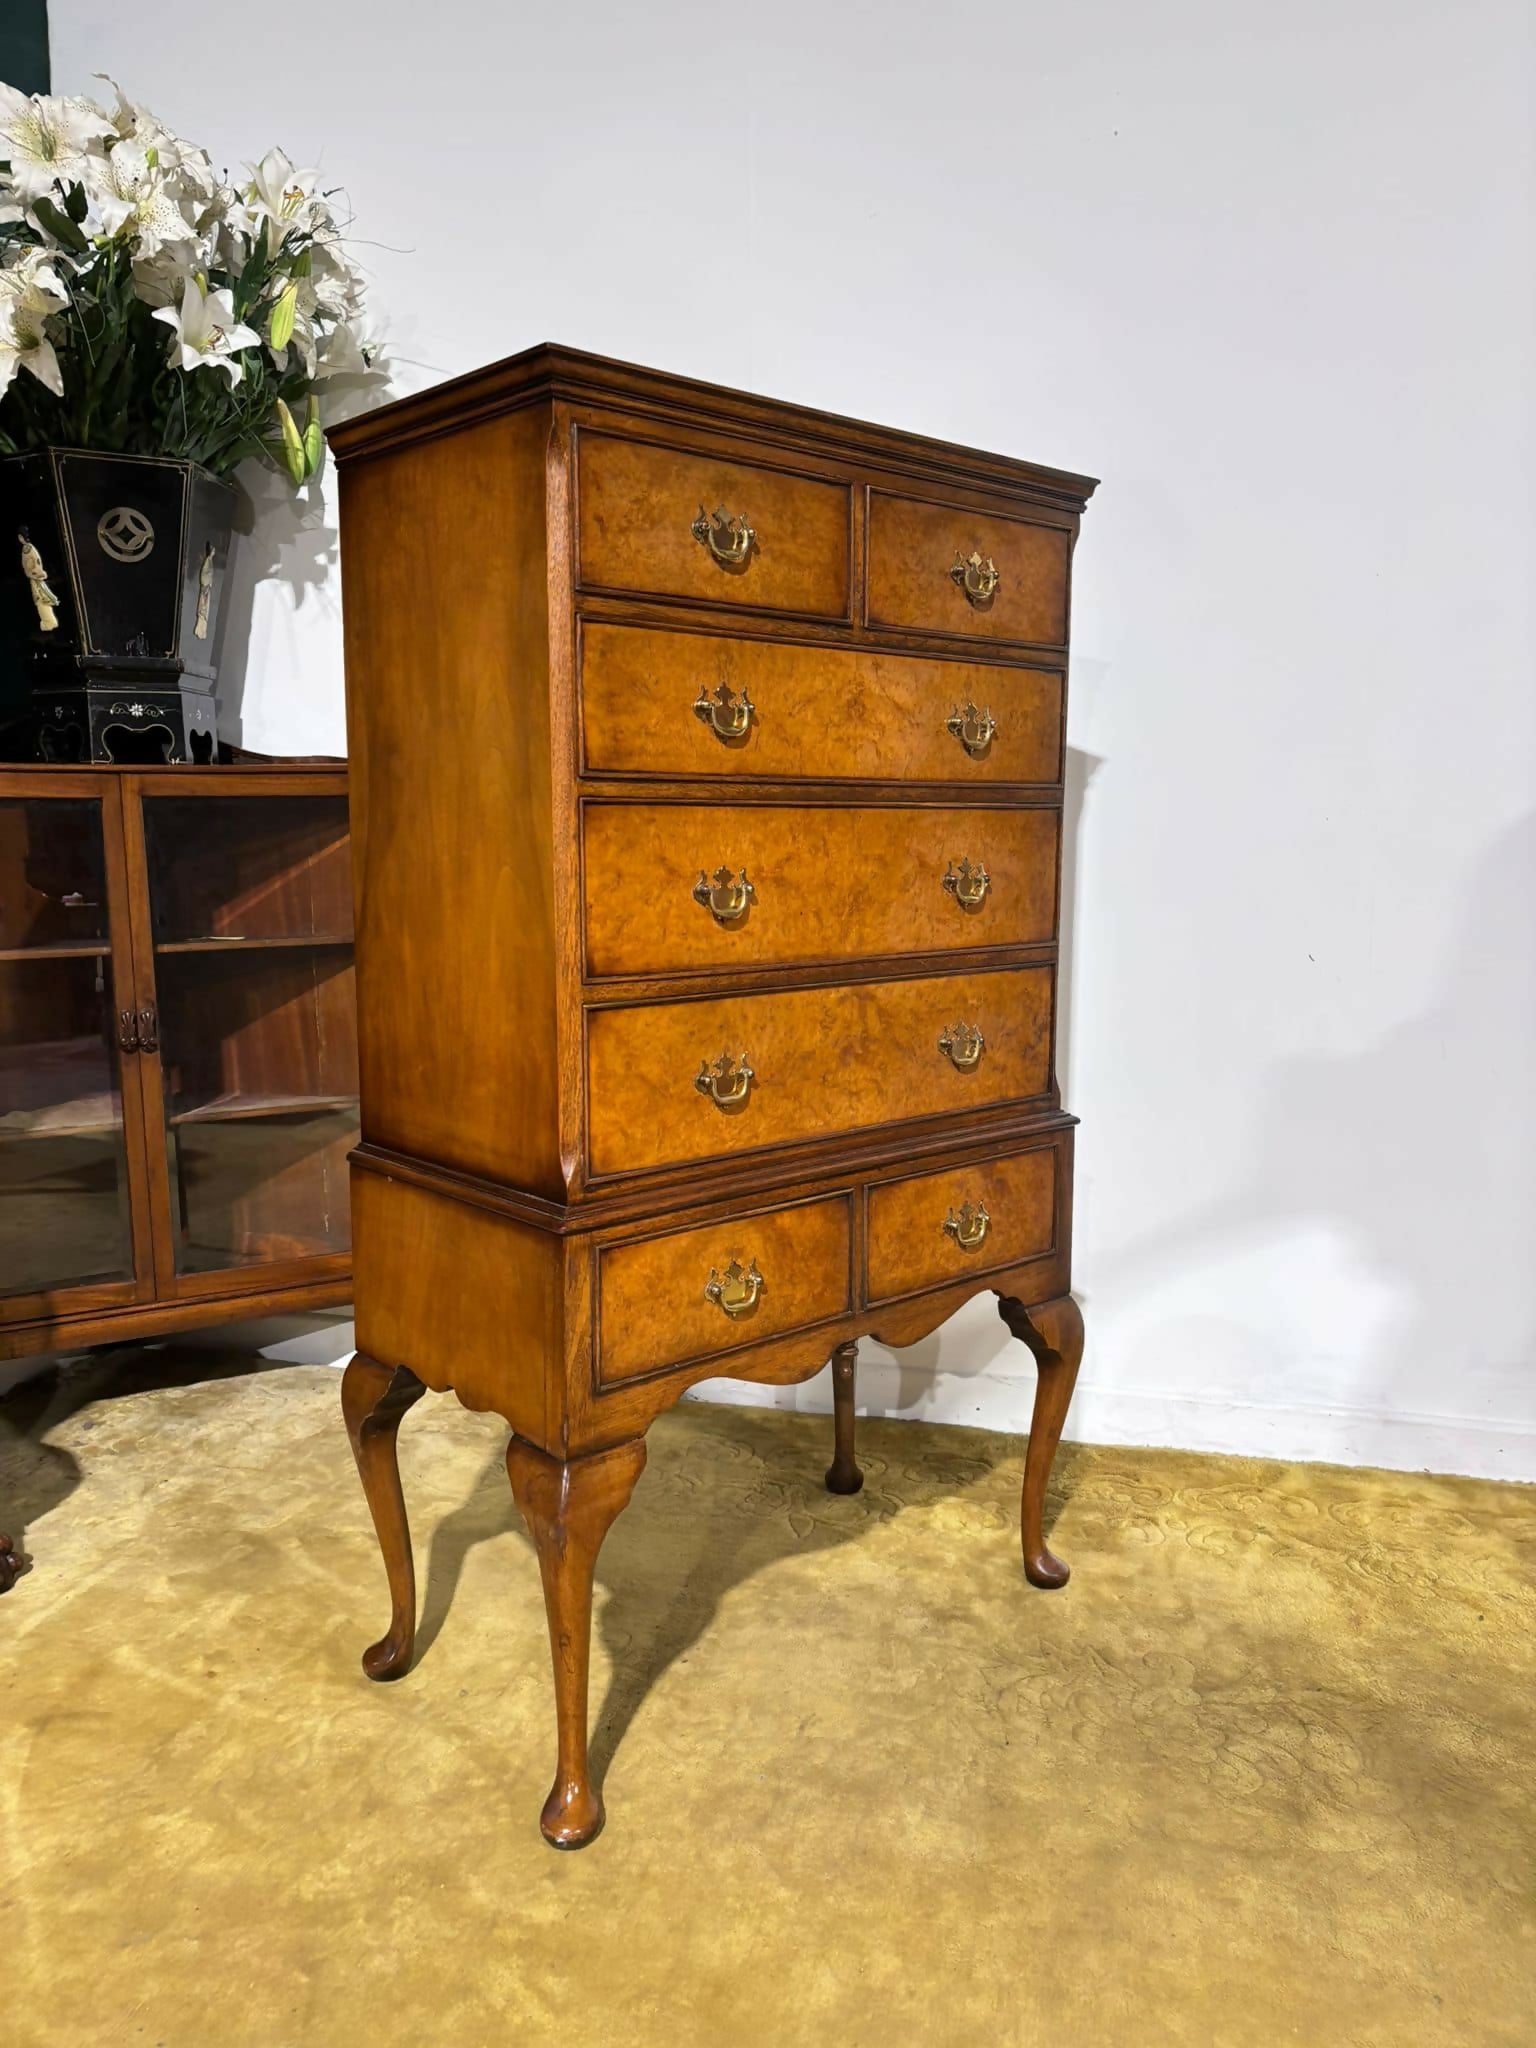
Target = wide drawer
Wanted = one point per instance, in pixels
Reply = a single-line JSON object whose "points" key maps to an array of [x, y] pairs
{"points": [[642, 509], [671, 1082], [660, 703], [673, 1300], [922, 575], [941, 1227], [673, 887]]}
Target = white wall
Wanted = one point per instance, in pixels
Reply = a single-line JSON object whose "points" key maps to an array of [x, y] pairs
{"points": [[1267, 272]]}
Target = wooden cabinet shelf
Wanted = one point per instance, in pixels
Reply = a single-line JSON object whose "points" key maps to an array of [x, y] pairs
{"points": [[235, 944], [61, 952], [242, 1108], [178, 1062]]}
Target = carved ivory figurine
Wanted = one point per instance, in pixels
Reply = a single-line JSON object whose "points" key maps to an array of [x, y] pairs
{"points": [[44, 598]]}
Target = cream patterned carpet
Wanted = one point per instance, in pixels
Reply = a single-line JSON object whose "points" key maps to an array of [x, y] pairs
{"points": [[1262, 1774]]}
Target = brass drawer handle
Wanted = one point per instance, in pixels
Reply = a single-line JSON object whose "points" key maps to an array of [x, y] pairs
{"points": [[978, 578], [725, 1080], [967, 884], [726, 714], [975, 730], [970, 1226], [729, 540], [736, 1291], [724, 896], [963, 1045]]}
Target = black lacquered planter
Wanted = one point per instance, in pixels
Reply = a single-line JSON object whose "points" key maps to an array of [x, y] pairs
{"points": [[112, 574]]}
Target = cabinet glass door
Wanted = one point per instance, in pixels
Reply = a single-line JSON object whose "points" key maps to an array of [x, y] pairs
{"points": [[250, 903], [66, 1209]]}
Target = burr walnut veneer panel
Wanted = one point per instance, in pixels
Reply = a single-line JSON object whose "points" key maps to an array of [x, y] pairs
{"points": [[638, 504], [914, 547], [830, 883], [820, 1060], [909, 1247], [654, 1312], [680, 755], [828, 713]]}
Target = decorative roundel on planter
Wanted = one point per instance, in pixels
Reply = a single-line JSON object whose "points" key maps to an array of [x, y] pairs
{"points": [[125, 535]]}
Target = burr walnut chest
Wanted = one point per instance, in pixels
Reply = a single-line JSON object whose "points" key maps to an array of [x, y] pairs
{"points": [[706, 800]]}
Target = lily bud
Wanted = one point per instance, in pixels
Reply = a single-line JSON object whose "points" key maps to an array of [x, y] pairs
{"points": [[314, 439], [280, 331], [293, 443]]}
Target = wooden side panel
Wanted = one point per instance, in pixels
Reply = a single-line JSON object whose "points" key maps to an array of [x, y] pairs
{"points": [[823, 1060], [835, 713], [908, 1248], [637, 503], [654, 1313], [913, 546], [444, 550], [832, 883], [468, 1299]]}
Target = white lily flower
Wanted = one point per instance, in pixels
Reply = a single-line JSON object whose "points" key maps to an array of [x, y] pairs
{"points": [[280, 194], [127, 192], [46, 139], [180, 163], [160, 279], [30, 290], [342, 355], [207, 332]]}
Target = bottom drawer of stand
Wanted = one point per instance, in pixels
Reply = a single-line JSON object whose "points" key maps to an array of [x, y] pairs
{"points": [[677, 1299], [940, 1227]]}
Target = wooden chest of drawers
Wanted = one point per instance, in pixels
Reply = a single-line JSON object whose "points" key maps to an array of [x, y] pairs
{"points": [[706, 795]]}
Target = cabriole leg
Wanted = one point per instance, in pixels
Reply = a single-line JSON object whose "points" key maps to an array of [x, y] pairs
{"points": [[373, 1401], [1053, 1330], [843, 1474], [569, 1509]]}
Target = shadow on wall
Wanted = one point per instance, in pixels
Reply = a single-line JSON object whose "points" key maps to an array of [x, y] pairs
{"points": [[281, 535], [1416, 1156]]}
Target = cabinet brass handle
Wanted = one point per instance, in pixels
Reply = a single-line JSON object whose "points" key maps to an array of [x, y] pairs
{"points": [[149, 1033], [127, 1031], [725, 1080], [963, 1045], [736, 1291], [725, 896], [730, 541], [726, 714], [969, 1227], [975, 730], [968, 884], [978, 578]]}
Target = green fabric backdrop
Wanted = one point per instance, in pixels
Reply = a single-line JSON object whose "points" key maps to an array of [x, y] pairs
{"points": [[24, 44]]}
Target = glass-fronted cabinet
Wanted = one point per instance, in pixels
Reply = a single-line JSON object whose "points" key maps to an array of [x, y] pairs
{"points": [[178, 1059], [67, 1136]]}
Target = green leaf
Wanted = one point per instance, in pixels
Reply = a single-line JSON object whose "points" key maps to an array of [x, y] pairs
{"points": [[76, 205], [60, 226]]}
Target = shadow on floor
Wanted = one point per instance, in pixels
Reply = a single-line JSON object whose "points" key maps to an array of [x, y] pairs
{"points": [[699, 1549], [35, 1475]]}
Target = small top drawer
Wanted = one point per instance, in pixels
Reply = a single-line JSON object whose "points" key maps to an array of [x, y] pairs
{"points": [[944, 569], [674, 522]]}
